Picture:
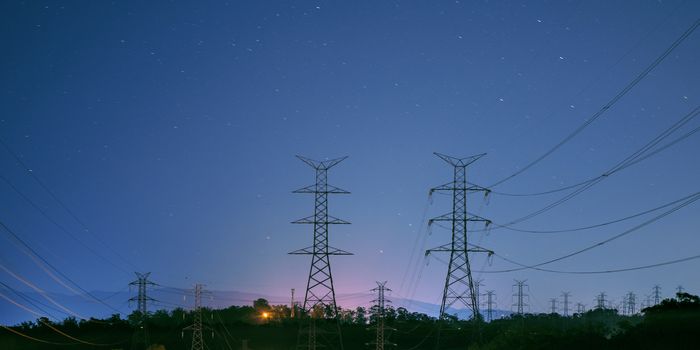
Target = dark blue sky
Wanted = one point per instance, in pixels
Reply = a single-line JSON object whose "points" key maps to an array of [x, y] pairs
{"points": [[170, 130]]}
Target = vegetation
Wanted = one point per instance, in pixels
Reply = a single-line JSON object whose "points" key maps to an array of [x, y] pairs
{"points": [[673, 324]]}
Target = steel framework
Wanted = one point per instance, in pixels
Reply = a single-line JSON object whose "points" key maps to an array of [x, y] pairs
{"points": [[142, 298], [459, 285], [319, 299], [380, 316], [197, 326], [520, 296]]}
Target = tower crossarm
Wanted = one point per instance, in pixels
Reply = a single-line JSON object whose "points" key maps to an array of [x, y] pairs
{"points": [[310, 251], [451, 217], [451, 186], [447, 248], [329, 220], [314, 189], [321, 165], [459, 162]]}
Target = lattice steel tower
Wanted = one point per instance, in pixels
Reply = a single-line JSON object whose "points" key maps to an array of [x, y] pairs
{"points": [[196, 327], [490, 303], [565, 296], [553, 305], [520, 296], [630, 307], [600, 301], [657, 294], [380, 315], [459, 285], [319, 299], [142, 298]]}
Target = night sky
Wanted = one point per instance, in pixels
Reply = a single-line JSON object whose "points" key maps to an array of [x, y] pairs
{"points": [[169, 130]]}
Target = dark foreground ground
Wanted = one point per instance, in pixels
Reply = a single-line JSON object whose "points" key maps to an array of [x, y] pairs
{"points": [[673, 324]]}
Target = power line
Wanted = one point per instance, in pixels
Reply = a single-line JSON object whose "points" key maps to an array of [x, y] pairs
{"points": [[32, 301], [47, 324], [644, 267], [20, 240], [33, 338], [606, 106], [630, 160], [58, 225], [608, 240], [579, 184], [582, 228], [61, 203]]}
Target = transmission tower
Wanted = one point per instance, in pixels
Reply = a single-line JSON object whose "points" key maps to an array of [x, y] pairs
{"points": [[601, 302], [679, 289], [630, 304], [477, 286], [520, 296], [380, 315], [566, 296], [141, 334], [142, 298], [580, 308], [490, 304], [459, 285], [657, 294], [292, 306], [197, 326], [553, 306], [319, 299]]}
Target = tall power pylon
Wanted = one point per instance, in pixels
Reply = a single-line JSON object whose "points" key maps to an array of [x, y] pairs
{"points": [[490, 304], [197, 326], [520, 295], [380, 315], [477, 286], [657, 294], [630, 307], [459, 285], [601, 302], [142, 283], [679, 289], [319, 299], [553, 305], [142, 298], [566, 296]]}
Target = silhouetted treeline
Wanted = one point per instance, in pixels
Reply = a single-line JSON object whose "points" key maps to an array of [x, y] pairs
{"points": [[673, 324]]}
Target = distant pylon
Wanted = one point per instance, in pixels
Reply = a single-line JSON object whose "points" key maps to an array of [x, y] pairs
{"points": [[477, 286], [580, 308], [630, 304], [380, 316], [657, 294], [679, 289], [601, 302], [459, 285], [566, 296], [490, 304], [142, 283], [197, 326], [520, 295], [319, 299], [553, 306], [142, 298]]}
